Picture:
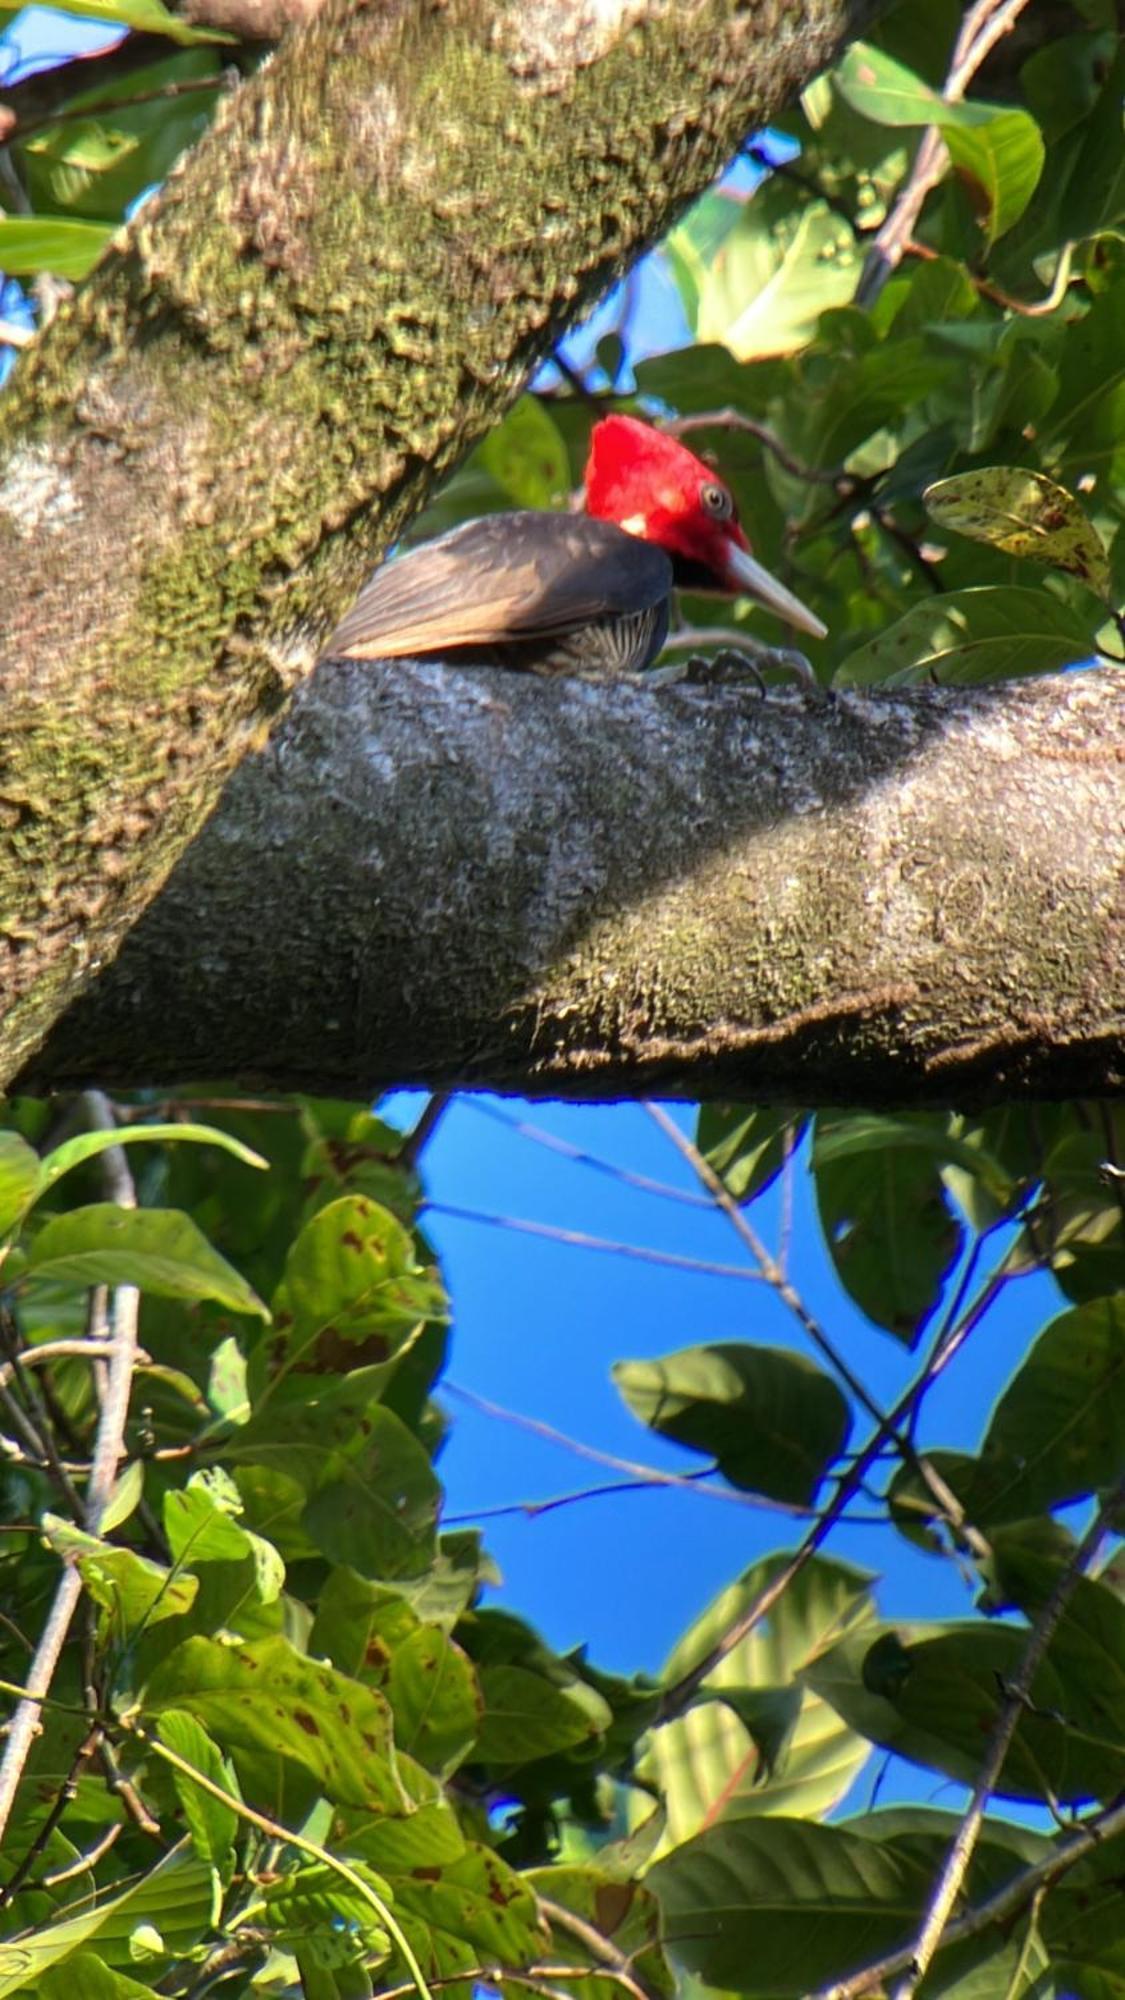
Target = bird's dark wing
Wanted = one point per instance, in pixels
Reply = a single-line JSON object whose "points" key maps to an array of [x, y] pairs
{"points": [[506, 576]]}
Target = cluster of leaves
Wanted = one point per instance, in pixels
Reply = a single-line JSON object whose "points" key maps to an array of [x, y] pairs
{"points": [[938, 472], [291, 1747]]}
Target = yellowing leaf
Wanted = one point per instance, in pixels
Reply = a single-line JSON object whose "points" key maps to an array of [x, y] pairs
{"points": [[1024, 514]]}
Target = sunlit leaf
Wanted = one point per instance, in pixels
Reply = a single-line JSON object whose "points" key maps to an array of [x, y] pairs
{"points": [[1025, 514], [745, 1146], [177, 1898], [87, 1145], [159, 1249], [718, 1758], [769, 285], [130, 1588], [19, 1179], [527, 457], [211, 1824], [996, 148], [33, 243], [264, 1701], [781, 1906]]}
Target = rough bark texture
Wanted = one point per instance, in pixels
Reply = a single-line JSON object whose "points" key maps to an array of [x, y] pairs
{"points": [[346, 283], [578, 889]]}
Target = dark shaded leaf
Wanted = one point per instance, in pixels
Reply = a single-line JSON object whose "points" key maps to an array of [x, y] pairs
{"points": [[773, 1421]]}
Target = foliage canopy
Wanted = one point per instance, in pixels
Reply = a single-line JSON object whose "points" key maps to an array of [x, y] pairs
{"points": [[289, 1747]]}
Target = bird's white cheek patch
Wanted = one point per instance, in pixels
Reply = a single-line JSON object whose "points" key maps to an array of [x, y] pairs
{"points": [[637, 524]]}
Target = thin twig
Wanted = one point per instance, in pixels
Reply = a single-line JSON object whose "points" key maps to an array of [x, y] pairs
{"points": [[981, 29], [64, 1797], [1004, 1728], [601, 1949], [274, 1830], [649, 1475], [1001, 1908], [579, 1240], [417, 1140], [681, 1693], [190, 85], [108, 1447], [579, 1154], [56, 1350], [730, 419], [775, 1277], [770, 1272]]}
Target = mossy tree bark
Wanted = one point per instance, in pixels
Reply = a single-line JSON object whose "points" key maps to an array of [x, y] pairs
{"points": [[594, 890], [345, 283]]}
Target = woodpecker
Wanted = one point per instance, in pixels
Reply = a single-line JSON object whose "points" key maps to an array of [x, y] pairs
{"points": [[571, 593]]}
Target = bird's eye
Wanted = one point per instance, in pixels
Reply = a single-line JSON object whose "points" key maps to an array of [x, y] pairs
{"points": [[716, 501]]}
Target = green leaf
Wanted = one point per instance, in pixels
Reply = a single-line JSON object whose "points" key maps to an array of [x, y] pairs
{"points": [[1061, 1420], [781, 1906], [105, 149], [85, 1977], [747, 1147], [87, 1145], [435, 1699], [737, 1751], [177, 1897], [378, 1507], [126, 1497], [996, 149], [19, 1179], [780, 268], [1025, 514], [966, 636], [159, 1249], [526, 456], [131, 1589], [263, 1701], [372, 1498], [773, 1421], [463, 1913], [353, 1290], [149, 17], [889, 1228], [526, 1717], [624, 1912], [33, 243], [861, 1134], [372, 1632], [212, 1825], [933, 1696], [1084, 430]]}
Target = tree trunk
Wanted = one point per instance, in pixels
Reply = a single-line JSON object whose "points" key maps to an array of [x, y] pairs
{"points": [[577, 889], [346, 283]]}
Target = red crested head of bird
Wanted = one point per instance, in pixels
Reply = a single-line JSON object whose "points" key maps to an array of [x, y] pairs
{"points": [[654, 487]]}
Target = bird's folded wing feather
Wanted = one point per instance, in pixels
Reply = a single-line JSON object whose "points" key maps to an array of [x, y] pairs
{"points": [[506, 576]]}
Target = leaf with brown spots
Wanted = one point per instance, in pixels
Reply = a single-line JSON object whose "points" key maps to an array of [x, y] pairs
{"points": [[263, 1702], [1024, 514], [353, 1291]]}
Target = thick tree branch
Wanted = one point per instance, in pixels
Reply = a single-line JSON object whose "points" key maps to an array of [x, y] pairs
{"points": [[347, 282], [569, 888]]}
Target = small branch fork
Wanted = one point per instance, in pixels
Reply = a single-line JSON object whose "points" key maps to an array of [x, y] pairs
{"points": [[983, 26], [937, 1929], [121, 1355]]}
